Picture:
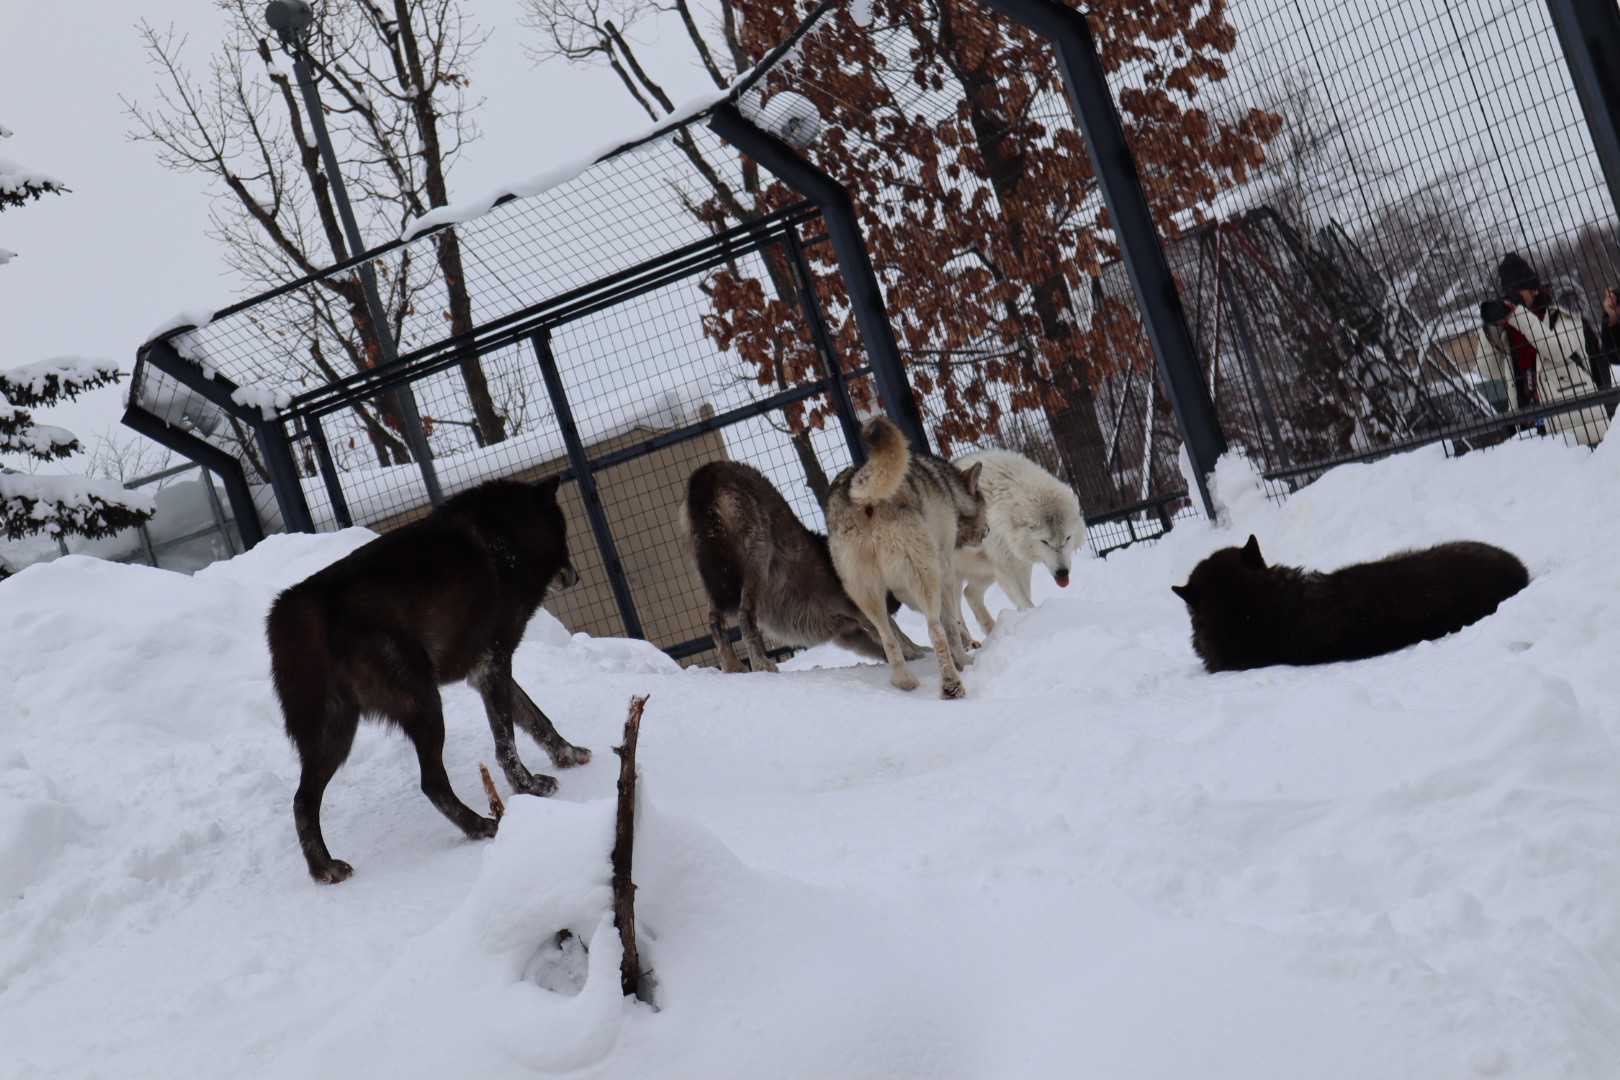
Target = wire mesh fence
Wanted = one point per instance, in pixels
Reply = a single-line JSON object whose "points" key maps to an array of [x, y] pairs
{"points": [[986, 225], [1335, 189], [1346, 299], [597, 336]]}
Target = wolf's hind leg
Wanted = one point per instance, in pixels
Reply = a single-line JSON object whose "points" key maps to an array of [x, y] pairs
{"points": [[876, 610], [322, 749], [748, 622], [908, 648], [722, 641]]}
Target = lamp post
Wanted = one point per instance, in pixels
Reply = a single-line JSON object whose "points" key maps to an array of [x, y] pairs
{"points": [[291, 20]]}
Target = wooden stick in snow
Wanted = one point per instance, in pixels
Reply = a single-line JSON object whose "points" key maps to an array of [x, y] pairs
{"points": [[624, 837], [497, 809]]}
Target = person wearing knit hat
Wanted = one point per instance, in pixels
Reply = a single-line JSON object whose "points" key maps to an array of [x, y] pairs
{"points": [[1546, 353], [1516, 278]]}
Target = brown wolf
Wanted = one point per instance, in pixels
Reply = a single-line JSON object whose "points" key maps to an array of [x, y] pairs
{"points": [[759, 563], [893, 525], [1246, 614], [439, 600]]}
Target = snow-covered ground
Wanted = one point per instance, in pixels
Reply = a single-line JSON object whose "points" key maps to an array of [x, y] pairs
{"points": [[1104, 863]]}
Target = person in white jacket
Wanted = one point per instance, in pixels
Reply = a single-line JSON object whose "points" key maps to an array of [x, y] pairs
{"points": [[1544, 352]]}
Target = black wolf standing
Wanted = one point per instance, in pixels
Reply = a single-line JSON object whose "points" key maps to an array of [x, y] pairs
{"points": [[439, 600], [1246, 614]]}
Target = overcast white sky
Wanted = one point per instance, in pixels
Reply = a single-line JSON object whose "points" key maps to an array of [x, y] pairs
{"points": [[98, 269]]}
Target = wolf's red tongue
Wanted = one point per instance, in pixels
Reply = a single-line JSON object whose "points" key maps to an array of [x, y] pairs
{"points": [[1062, 580]]}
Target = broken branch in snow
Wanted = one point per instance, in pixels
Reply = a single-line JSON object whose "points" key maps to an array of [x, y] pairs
{"points": [[624, 835], [497, 809]]}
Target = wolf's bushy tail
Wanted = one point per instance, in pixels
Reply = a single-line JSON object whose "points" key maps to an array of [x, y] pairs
{"points": [[885, 468], [300, 664]]}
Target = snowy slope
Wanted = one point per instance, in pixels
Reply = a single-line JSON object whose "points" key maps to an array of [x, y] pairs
{"points": [[1103, 863]]}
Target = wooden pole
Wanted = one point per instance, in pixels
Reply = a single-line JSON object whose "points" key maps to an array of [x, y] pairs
{"points": [[624, 837]]}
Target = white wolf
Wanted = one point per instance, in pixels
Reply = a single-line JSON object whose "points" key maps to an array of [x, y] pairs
{"points": [[1034, 518]]}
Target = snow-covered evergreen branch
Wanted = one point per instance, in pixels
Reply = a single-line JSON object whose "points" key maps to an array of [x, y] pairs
{"points": [[75, 505]]}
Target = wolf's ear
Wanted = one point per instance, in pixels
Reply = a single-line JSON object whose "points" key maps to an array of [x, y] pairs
{"points": [[971, 477], [1188, 593], [1251, 554], [548, 487]]}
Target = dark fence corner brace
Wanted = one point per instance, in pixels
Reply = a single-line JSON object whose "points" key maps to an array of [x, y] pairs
{"points": [[210, 457], [272, 438], [1143, 255], [1590, 35], [849, 245]]}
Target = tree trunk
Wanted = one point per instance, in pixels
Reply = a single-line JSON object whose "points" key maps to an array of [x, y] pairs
{"points": [[489, 424], [1075, 429]]}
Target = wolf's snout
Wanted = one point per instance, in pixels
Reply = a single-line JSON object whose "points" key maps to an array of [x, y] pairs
{"points": [[1061, 576], [566, 578]]}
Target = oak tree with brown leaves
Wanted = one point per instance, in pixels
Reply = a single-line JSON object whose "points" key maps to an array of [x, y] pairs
{"points": [[979, 203]]}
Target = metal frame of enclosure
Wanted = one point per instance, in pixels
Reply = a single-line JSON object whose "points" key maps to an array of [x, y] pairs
{"points": [[613, 303]]}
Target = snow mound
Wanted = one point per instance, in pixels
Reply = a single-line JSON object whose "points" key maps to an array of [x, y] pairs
{"points": [[1104, 861]]}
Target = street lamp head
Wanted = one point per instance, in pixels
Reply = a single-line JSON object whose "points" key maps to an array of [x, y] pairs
{"points": [[289, 18]]}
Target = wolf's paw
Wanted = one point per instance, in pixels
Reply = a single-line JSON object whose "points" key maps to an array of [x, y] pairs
{"points": [[482, 828], [568, 755], [952, 690], [912, 652], [969, 643], [536, 785], [333, 872], [904, 680]]}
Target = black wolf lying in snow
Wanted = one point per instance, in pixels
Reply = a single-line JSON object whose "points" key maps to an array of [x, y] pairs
{"points": [[1246, 614], [439, 600], [758, 562]]}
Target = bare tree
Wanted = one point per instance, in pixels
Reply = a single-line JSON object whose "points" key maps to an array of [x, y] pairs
{"points": [[393, 78]]}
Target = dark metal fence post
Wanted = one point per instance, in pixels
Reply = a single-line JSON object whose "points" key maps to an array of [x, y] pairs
{"points": [[1589, 31], [844, 230], [329, 477], [586, 480], [1144, 258], [821, 337], [283, 469]]}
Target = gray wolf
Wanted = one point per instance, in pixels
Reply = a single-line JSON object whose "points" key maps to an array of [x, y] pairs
{"points": [[1034, 518], [893, 526], [1246, 614], [758, 562], [376, 633]]}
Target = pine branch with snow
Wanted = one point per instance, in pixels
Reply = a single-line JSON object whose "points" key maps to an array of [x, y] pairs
{"points": [[68, 505], [58, 505], [50, 382]]}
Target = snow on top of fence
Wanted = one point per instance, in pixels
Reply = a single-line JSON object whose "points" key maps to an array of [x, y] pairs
{"points": [[457, 213]]}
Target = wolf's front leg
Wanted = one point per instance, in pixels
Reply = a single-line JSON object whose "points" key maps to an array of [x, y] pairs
{"points": [[563, 753], [975, 598], [1014, 581]]}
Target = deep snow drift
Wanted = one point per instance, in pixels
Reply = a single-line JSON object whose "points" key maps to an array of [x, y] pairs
{"points": [[1103, 863]]}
